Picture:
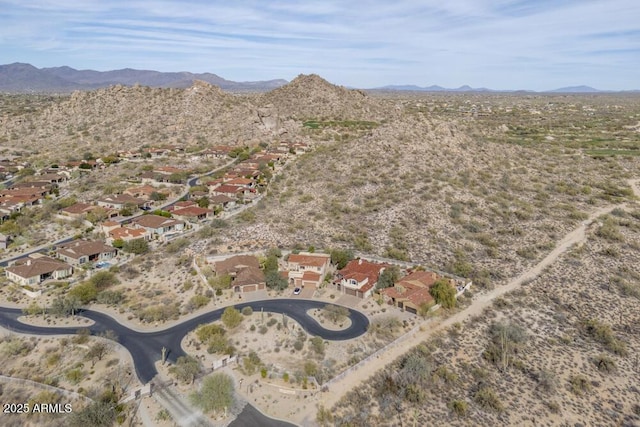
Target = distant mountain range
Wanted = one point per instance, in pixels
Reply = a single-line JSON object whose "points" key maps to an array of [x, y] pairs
{"points": [[25, 78], [569, 89]]}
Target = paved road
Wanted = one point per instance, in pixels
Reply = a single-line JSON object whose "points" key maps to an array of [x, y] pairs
{"points": [[250, 416], [146, 347]]}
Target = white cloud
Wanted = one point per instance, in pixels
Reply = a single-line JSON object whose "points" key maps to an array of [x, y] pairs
{"points": [[534, 44]]}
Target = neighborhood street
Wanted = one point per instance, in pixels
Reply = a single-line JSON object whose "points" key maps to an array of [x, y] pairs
{"points": [[146, 347]]}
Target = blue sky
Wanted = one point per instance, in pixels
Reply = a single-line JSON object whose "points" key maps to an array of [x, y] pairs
{"points": [[500, 44]]}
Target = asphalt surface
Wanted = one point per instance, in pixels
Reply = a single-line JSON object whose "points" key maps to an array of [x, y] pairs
{"points": [[251, 417], [146, 347]]}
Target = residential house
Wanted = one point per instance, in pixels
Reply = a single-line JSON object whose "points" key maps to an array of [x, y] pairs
{"points": [[412, 291], [307, 269], [158, 226], [77, 210], [358, 277], [142, 192], [230, 191], [81, 252], [9, 206], [42, 185], [241, 182], [221, 201], [37, 268], [192, 213], [126, 234], [217, 152], [119, 201], [25, 193], [245, 272]]}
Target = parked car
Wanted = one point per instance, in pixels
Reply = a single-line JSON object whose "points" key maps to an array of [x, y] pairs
{"points": [[297, 291]]}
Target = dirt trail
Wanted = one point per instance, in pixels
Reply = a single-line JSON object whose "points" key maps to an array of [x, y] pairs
{"points": [[481, 302]]}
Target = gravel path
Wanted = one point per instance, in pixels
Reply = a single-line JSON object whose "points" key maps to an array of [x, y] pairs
{"points": [[339, 388]]}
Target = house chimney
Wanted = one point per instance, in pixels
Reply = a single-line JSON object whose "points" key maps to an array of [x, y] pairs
{"points": [[28, 262], [359, 261]]}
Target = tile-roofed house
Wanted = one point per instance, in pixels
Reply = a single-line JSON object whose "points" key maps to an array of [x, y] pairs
{"points": [[158, 225], [359, 277], [307, 269], [30, 192], [119, 201], [245, 272], [83, 251], [191, 212], [241, 182], [44, 185], [78, 209], [37, 268], [142, 192], [222, 201], [229, 190], [127, 234], [411, 291]]}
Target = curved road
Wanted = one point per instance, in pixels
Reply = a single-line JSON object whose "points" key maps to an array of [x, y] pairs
{"points": [[146, 347]]}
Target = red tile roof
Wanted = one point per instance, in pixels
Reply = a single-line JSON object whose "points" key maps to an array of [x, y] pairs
{"points": [[309, 260]]}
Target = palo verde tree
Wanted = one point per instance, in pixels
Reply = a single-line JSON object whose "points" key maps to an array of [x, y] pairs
{"points": [[443, 293]]}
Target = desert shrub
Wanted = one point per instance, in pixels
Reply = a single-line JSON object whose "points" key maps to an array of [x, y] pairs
{"points": [[335, 313], [110, 297], [247, 311], [579, 384], [251, 363], [103, 280], [317, 344], [231, 317], [84, 292], [385, 328], [324, 416], [547, 380], [604, 363], [506, 340], [176, 245], [136, 246], [206, 332], [443, 293], [458, 407], [602, 333], [186, 369], [74, 376], [488, 400], [397, 253], [275, 281], [197, 301], [158, 313], [610, 231]]}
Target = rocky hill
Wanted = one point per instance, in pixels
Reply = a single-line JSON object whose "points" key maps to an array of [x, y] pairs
{"points": [[311, 97], [127, 117]]}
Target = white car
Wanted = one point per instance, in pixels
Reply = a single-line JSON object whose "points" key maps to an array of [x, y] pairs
{"points": [[297, 291]]}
